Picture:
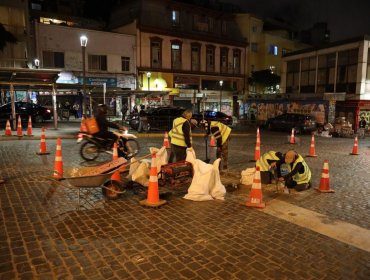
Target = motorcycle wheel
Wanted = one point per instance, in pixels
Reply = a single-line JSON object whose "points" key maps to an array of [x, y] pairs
{"points": [[132, 148], [89, 151]]}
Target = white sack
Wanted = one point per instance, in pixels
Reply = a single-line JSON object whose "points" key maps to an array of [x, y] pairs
{"points": [[247, 176], [134, 164], [161, 156], [206, 183], [141, 174]]}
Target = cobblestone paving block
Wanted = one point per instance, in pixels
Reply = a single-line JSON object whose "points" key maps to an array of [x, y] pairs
{"points": [[44, 236]]}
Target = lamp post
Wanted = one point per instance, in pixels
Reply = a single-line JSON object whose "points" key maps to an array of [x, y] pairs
{"points": [[221, 83], [83, 41], [37, 63], [148, 75]]}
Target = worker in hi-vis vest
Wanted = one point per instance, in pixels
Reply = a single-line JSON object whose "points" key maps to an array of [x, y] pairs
{"points": [[266, 164], [299, 176], [180, 136], [221, 133]]}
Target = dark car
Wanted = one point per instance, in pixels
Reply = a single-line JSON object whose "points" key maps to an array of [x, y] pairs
{"points": [[285, 122], [160, 118], [25, 109], [214, 116]]}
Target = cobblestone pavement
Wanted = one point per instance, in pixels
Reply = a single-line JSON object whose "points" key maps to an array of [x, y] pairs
{"points": [[44, 236]]}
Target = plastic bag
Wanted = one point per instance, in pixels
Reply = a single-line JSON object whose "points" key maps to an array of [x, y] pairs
{"points": [[247, 176]]}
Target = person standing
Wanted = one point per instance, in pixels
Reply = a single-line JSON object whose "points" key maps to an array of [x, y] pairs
{"points": [[180, 136], [362, 127], [124, 111], [76, 109], [221, 133], [299, 176]]}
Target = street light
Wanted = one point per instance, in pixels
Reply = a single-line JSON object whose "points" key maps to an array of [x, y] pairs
{"points": [[83, 40], [221, 83], [148, 75], [37, 63]]}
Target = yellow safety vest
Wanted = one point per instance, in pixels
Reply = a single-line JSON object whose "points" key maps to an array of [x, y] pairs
{"points": [[176, 133], [304, 177], [262, 162], [223, 131]]}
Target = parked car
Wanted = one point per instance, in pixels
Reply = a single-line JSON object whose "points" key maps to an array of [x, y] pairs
{"points": [[214, 116], [160, 118], [25, 109], [285, 122]]}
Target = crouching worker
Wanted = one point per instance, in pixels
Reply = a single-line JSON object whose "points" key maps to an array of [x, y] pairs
{"points": [[221, 133], [267, 164], [299, 176]]}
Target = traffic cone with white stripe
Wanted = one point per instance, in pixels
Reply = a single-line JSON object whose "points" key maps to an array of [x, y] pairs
{"points": [[166, 143], [257, 152], [255, 196], [8, 130], [29, 127], [153, 192], [19, 127], [355, 148], [324, 181], [58, 164], [116, 175], [43, 144], [212, 141], [312, 147], [292, 140]]}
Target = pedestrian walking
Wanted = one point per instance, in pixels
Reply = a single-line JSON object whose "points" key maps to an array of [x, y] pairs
{"points": [[362, 127], [180, 135], [76, 109]]}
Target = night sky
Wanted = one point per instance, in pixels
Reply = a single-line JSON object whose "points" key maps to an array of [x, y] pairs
{"points": [[345, 18]]}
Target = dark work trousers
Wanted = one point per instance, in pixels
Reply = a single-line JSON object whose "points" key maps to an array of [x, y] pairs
{"points": [[291, 184], [224, 154], [178, 153]]}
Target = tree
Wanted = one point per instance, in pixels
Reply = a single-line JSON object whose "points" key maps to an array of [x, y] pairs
{"points": [[265, 78], [6, 37]]}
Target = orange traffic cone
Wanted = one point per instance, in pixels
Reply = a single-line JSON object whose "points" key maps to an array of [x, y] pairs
{"points": [[355, 147], [257, 153], [292, 140], [8, 130], [116, 175], [312, 147], [29, 128], [255, 196], [43, 144], [19, 127], [212, 142], [324, 181], [166, 143], [58, 165], [153, 192]]}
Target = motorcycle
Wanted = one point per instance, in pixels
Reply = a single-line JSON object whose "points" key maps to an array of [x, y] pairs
{"points": [[92, 146]]}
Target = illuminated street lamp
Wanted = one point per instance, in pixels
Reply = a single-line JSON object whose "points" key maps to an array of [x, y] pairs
{"points": [[221, 83], [148, 75], [37, 63], [83, 40]]}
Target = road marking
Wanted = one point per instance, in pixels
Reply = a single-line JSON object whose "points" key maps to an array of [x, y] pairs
{"points": [[348, 233]]}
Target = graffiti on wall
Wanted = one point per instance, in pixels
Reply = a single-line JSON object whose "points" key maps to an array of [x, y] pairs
{"points": [[366, 115], [263, 110]]}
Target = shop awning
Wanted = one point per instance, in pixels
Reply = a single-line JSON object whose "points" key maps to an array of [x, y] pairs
{"points": [[27, 78]]}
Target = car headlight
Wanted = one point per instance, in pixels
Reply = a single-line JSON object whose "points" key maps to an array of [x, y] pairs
{"points": [[48, 111]]}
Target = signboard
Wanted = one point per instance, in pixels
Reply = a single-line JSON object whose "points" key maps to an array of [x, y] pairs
{"points": [[110, 82], [337, 96]]}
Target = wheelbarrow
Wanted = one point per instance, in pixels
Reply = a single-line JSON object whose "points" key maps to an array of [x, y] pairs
{"points": [[97, 177]]}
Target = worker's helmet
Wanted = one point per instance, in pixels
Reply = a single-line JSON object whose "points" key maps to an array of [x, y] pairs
{"points": [[102, 109]]}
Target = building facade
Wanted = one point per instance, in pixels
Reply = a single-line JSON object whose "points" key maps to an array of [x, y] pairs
{"points": [[195, 54]]}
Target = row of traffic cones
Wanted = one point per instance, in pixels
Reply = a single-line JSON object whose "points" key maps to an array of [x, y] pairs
{"points": [[8, 130]]}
